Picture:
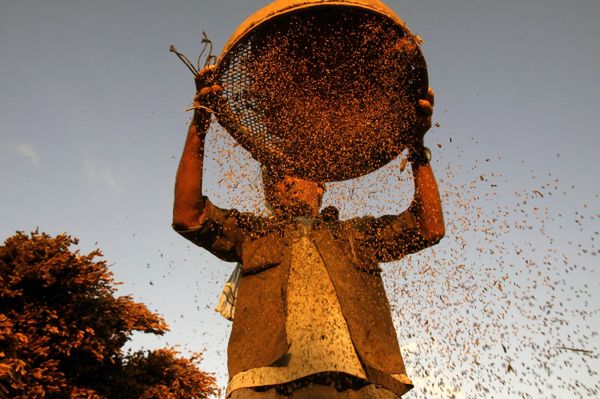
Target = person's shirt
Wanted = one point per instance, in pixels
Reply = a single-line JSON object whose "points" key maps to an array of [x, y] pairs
{"points": [[349, 254]]}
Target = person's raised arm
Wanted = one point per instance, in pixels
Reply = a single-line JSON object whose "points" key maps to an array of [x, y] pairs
{"points": [[421, 225], [188, 206], [426, 206]]}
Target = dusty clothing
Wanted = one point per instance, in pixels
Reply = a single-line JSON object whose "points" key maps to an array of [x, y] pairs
{"points": [[318, 334], [316, 330], [349, 251]]}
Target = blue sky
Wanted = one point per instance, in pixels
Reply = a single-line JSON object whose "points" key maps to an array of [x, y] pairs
{"points": [[92, 125]]}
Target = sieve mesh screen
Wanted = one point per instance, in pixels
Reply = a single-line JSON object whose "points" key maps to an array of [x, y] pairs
{"points": [[324, 93]]}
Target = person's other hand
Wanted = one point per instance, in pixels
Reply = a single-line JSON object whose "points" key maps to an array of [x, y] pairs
{"points": [[424, 113], [208, 94], [204, 77]]}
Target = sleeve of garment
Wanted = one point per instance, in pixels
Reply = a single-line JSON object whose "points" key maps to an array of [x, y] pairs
{"points": [[218, 232], [389, 237]]}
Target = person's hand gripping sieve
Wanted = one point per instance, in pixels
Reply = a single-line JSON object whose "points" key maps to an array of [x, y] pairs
{"points": [[208, 99], [424, 112]]}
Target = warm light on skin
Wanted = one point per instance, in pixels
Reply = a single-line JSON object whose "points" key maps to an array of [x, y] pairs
{"points": [[297, 197]]}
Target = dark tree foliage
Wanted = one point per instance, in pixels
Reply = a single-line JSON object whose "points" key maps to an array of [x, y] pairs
{"points": [[62, 330]]}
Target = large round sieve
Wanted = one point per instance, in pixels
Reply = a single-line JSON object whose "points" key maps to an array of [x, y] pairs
{"points": [[324, 90]]}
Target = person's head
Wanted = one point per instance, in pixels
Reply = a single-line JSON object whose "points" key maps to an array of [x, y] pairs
{"points": [[292, 196]]}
